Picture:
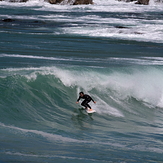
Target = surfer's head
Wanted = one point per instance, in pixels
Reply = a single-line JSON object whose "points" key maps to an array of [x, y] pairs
{"points": [[81, 94]]}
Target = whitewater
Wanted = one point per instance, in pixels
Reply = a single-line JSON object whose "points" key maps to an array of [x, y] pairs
{"points": [[112, 51]]}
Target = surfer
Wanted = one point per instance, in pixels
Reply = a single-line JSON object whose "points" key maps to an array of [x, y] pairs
{"points": [[86, 98]]}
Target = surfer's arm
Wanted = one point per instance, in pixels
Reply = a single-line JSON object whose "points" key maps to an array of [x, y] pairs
{"points": [[78, 100], [93, 100]]}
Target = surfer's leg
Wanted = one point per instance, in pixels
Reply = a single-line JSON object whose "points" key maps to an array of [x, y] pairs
{"points": [[88, 106], [85, 104]]}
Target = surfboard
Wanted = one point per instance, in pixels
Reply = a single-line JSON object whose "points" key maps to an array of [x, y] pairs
{"points": [[90, 110]]}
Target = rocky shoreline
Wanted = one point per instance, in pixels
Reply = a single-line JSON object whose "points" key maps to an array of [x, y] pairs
{"points": [[80, 2], [141, 2], [71, 2], [76, 2]]}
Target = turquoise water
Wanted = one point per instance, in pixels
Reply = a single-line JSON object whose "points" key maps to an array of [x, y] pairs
{"points": [[49, 53]]}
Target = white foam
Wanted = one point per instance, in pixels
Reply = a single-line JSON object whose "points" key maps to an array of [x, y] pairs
{"points": [[138, 29], [139, 61], [139, 32], [52, 58], [104, 108], [25, 4], [144, 85], [31, 56]]}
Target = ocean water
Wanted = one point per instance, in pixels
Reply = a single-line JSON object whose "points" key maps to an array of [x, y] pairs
{"points": [[112, 51]]}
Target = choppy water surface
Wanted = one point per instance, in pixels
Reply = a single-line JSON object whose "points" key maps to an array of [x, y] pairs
{"points": [[49, 53]]}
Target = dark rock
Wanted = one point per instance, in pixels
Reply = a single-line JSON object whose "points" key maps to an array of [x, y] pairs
{"points": [[77, 2], [121, 27], [8, 20], [36, 21], [55, 1], [142, 2], [81, 2], [127, 0], [52, 1], [138, 33]]}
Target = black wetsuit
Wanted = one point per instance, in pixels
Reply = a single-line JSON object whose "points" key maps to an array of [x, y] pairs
{"points": [[87, 99]]}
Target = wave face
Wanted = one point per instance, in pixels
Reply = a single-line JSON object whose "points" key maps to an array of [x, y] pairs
{"points": [[58, 87], [49, 53]]}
